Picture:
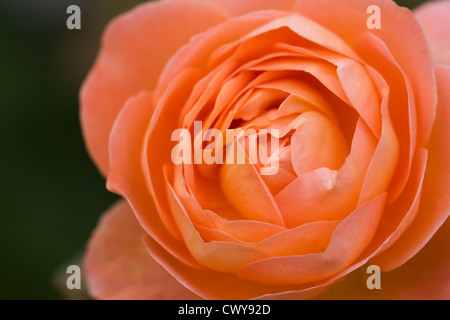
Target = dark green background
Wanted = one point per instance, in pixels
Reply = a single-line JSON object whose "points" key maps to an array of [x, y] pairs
{"points": [[51, 193]]}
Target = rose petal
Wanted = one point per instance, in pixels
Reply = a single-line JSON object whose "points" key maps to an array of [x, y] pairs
{"points": [[434, 17], [278, 181], [303, 200], [360, 91], [208, 195], [385, 159], [239, 7], [117, 265], [211, 234], [216, 255], [296, 84], [393, 223], [133, 54], [425, 277], [435, 202], [207, 89], [317, 142], [245, 230], [310, 30], [349, 240], [324, 71], [257, 101], [252, 198], [399, 215], [347, 18], [402, 108], [127, 176], [210, 284], [229, 93], [362, 96], [395, 219], [155, 149], [199, 50], [308, 238]]}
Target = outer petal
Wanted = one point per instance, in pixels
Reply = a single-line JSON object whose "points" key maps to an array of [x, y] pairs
{"points": [[434, 17], [349, 239], [427, 274], [127, 176], [134, 52], [435, 202], [118, 266], [348, 19], [210, 284], [239, 7]]}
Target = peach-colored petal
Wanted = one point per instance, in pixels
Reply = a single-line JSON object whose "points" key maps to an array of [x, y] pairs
{"points": [[349, 240], [117, 265], [252, 198], [257, 101], [208, 195], [287, 124], [360, 91], [317, 142], [324, 71], [304, 294], [127, 176], [293, 105], [278, 181], [200, 218], [245, 230], [424, 277], [154, 152], [395, 219], [206, 89], [229, 93], [309, 30], [303, 200], [402, 107], [238, 29], [435, 202], [362, 97], [347, 18], [296, 84], [308, 238], [126, 144], [210, 284], [133, 54], [253, 53], [195, 211], [199, 50], [238, 7], [211, 234], [216, 255], [434, 18], [385, 159], [248, 52], [399, 215]]}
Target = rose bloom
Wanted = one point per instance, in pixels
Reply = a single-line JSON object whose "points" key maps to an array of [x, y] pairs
{"points": [[363, 174]]}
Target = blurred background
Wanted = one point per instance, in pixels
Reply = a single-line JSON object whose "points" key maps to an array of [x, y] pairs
{"points": [[51, 194]]}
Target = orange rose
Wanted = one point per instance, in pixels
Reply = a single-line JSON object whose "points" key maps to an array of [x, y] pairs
{"points": [[361, 170]]}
